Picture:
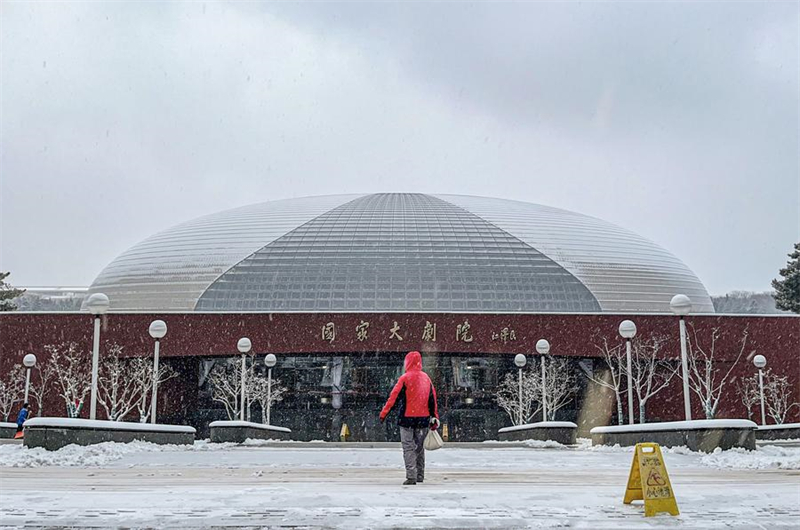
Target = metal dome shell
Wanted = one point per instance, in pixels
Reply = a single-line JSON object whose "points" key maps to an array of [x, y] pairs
{"points": [[556, 260]]}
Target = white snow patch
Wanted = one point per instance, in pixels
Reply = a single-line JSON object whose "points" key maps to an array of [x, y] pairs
{"points": [[543, 444], [536, 444], [7, 425], [781, 426], [765, 457], [91, 455], [257, 442], [676, 426], [78, 423], [540, 425]]}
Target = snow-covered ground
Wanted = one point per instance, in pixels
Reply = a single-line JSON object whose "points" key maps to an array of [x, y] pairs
{"points": [[291, 485]]}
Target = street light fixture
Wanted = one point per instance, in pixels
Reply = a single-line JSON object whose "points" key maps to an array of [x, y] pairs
{"points": [[270, 360], [29, 361], [97, 304], [158, 328], [520, 361], [543, 347], [244, 346], [628, 330], [760, 361], [682, 306]]}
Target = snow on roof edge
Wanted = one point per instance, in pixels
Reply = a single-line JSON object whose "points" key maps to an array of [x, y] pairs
{"points": [[675, 426], [250, 424], [781, 426], [540, 425], [78, 423]]}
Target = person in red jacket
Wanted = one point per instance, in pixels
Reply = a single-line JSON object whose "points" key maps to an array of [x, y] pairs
{"points": [[415, 398]]}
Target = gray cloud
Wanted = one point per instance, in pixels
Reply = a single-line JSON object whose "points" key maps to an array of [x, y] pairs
{"points": [[676, 120]]}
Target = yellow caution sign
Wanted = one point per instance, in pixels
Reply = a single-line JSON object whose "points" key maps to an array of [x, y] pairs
{"points": [[649, 481], [345, 432]]}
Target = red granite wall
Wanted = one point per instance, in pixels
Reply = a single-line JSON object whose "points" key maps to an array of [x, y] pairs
{"points": [[192, 334]]}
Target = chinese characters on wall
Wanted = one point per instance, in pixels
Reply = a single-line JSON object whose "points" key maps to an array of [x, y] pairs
{"points": [[504, 335], [329, 332], [362, 331], [429, 332], [463, 332], [393, 333]]}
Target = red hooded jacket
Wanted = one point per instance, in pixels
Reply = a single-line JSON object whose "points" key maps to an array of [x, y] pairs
{"points": [[414, 395]]}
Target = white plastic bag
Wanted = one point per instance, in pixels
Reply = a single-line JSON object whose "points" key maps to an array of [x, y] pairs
{"points": [[433, 441]]}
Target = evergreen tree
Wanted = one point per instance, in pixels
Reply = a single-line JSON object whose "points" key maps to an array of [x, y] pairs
{"points": [[787, 290], [8, 293]]}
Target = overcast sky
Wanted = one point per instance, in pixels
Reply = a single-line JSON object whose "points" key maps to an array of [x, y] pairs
{"points": [[676, 120]]}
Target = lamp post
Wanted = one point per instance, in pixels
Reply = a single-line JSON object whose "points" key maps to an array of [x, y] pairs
{"points": [[682, 306], [760, 361], [628, 330], [29, 361], [520, 361], [543, 347], [244, 346], [158, 328], [97, 304], [270, 361]]}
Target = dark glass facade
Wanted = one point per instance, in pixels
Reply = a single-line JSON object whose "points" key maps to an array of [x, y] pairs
{"points": [[325, 392]]}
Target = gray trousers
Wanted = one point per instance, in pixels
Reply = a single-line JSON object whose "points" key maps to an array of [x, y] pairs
{"points": [[413, 451]]}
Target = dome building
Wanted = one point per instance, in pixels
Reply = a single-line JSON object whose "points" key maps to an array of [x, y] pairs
{"points": [[339, 288], [398, 252]]}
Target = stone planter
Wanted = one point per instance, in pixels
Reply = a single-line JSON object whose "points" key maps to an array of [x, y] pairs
{"points": [[697, 435], [778, 432], [55, 433], [7, 430], [239, 431], [563, 432]]}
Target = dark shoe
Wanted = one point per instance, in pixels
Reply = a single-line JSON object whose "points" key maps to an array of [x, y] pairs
{"points": [[409, 482], [420, 480]]}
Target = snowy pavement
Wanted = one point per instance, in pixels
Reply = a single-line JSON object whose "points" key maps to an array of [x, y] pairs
{"points": [[293, 486]]}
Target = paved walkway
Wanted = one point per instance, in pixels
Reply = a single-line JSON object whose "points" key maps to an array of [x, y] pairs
{"points": [[147, 492]]}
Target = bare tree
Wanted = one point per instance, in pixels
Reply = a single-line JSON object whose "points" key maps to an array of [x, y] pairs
{"points": [[144, 367], [119, 384], [251, 380], [614, 358], [650, 374], [259, 390], [561, 384], [507, 396], [41, 381], [226, 386], [706, 378], [748, 391], [778, 397], [73, 374], [11, 390]]}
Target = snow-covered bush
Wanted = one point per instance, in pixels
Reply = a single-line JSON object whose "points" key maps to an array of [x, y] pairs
{"points": [[507, 396], [225, 380], [561, 384]]}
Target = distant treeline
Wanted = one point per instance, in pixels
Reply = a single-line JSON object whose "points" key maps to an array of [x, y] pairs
{"points": [[746, 302], [35, 302]]}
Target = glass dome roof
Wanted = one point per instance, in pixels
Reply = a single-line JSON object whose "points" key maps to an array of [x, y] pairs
{"points": [[398, 252]]}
